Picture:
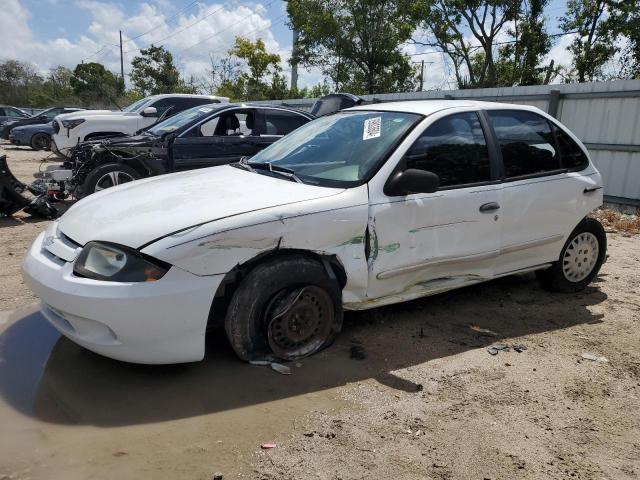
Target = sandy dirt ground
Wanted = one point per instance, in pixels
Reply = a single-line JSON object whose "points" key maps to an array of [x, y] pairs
{"points": [[407, 392]]}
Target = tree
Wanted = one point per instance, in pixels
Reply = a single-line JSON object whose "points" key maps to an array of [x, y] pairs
{"points": [[625, 22], [356, 43], [18, 83], [92, 83], [261, 65], [522, 57], [153, 72], [594, 44], [448, 23]]}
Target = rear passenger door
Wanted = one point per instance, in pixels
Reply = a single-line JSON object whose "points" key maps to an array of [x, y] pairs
{"points": [[542, 187]]}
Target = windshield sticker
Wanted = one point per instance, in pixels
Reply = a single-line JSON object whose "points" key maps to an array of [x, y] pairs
{"points": [[371, 128], [205, 109]]}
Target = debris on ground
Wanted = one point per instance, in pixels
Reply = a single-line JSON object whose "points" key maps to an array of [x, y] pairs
{"points": [[594, 358], [280, 368], [614, 221], [268, 446], [518, 347], [275, 366], [483, 331], [217, 476]]}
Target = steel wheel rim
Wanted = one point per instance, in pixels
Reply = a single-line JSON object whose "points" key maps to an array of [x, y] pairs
{"points": [[580, 257], [299, 321], [41, 142], [112, 179]]}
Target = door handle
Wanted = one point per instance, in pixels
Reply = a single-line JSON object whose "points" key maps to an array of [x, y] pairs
{"points": [[489, 207], [591, 189]]}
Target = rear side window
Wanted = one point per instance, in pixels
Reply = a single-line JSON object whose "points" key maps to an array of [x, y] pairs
{"points": [[571, 154], [10, 112], [280, 122], [454, 148], [526, 142]]}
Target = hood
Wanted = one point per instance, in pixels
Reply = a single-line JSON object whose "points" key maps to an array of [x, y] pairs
{"points": [[40, 127], [137, 213], [85, 113]]}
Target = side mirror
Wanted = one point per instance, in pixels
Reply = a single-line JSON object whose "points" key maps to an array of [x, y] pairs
{"points": [[150, 112], [42, 117], [410, 181]]}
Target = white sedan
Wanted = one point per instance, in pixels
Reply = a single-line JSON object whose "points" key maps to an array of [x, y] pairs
{"points": [[373, 205]]}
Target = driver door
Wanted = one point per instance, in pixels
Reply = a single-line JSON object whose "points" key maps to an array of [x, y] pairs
{"points": [[429, 242]]}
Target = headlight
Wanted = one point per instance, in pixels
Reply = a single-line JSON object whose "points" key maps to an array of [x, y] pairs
{"points": [[117, 263], [72, 123]]}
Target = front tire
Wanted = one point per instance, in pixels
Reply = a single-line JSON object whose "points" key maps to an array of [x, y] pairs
{"points": [[287, 307], [41, 141], [580, 260], [107, 176]]}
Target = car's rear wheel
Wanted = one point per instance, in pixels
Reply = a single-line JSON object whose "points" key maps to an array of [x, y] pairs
{"points": [[107, 176], [580, 259], [41, 141], [287, 307]]}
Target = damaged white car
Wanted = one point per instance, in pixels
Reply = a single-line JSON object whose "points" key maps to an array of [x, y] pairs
{"points": [[373, 205]]}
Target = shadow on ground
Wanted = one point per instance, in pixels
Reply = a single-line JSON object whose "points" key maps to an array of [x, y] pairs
{"points": [[52, 379]]}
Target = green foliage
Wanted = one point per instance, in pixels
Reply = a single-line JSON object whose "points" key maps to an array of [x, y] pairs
{"points": [[356, 43], [92, 83], [19, 81], [449, 22], [251, 73], [594, 44], [153, 72]]}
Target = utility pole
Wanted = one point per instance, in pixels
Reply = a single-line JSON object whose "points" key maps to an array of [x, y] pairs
{"points": [[121, 62], [421, 75], [294, 65]]}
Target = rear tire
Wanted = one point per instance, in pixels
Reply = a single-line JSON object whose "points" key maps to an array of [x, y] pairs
{"points": [[41, 141], [287, 307], [580, 259], [108, 175]]}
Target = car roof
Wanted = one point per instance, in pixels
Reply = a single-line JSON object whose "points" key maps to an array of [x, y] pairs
{"points": [[267, 105], [427, 107], [187, 95]]}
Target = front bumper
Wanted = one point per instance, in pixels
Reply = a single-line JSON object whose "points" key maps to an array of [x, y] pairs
{"points": [[17, 140], [151, 322]]}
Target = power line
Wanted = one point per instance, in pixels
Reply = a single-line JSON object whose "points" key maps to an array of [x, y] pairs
{"points": [[182, 10], [183, 29], [276, 21]]}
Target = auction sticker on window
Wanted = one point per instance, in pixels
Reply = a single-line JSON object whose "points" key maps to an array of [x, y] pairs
{"points": [[372, 128]]}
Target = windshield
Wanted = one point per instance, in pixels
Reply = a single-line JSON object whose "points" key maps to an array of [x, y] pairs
{"points": [[339, 150], [136, 105], [180, 120]]}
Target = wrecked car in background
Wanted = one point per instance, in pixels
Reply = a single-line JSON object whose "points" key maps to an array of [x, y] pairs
{"points": [[200, 137], [371, 206]]}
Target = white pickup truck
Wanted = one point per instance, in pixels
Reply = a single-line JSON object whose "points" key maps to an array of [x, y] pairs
{"points": [[72, 128]]}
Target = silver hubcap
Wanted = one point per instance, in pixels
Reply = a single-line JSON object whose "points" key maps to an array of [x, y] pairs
{"points": [[112, 179], [580, 257]]}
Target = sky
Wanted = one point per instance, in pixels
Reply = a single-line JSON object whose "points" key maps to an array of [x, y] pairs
{"points": [[48, 33]]}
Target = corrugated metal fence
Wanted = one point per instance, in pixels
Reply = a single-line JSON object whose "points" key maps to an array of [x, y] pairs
{"points": [[604, 115]]}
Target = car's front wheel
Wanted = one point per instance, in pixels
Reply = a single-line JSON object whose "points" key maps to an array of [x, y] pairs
{"points": [[41, 141], [109, 175], [580, 259], [287, 307]]}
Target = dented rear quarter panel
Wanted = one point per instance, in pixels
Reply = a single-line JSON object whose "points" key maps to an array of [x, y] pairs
{"points": [[333, 225]]}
